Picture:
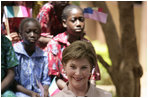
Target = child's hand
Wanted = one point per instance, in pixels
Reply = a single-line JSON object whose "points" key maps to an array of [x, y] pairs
{"points": [[34, 94], [46, 93], [13, 36]]}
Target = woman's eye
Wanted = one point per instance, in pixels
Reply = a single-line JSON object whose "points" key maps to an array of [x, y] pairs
{"points": [[73, 67], [84, 67]]}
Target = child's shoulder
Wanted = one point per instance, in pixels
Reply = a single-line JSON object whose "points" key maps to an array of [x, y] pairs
{"points": [[17, 46], [40, 52]]}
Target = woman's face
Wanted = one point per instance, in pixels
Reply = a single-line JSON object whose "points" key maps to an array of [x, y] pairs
{"points": [[78, 72], [75, 22]]}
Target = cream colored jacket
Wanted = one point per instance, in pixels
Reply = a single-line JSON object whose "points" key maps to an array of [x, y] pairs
{"points": [[92, 92]]}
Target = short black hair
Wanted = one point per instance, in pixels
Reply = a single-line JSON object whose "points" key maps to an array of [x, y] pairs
{"points": [[28, 20], [68, 8]]}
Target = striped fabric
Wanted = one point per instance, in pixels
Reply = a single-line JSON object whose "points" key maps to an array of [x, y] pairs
{"points": [[17, 11], [13, 15]]}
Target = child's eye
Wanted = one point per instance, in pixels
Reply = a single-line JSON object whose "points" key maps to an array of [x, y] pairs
{"points": [[36, 32], [81, 19], [73, 19], [27, 32]]}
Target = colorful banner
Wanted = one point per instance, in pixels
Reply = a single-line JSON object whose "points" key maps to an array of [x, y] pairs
{"points": [[13, 15], [17, 11], [97, 15]]}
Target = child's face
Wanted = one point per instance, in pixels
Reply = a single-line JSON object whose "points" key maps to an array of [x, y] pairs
{"points": [[30, 33], [75, 22]]}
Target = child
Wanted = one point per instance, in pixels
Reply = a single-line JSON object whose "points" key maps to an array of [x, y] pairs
{"points": [[73, 21], [32, 71], [14, 21], [8, 62], [50, 20]]}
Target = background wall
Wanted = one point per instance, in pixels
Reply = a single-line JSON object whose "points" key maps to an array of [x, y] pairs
{"points": [[94, 32]]}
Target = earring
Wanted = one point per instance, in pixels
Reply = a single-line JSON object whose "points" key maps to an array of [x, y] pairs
{"points": [[93, 70]]}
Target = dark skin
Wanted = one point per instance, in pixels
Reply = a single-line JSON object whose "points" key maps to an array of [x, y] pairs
{"points": [[58, 7], [30, 34], [74, 25], [13, 36], [7, 80]]}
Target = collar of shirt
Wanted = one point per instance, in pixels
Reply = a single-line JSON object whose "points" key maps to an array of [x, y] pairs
{"points": [[68, 92], [19, 48], [63, 38]]}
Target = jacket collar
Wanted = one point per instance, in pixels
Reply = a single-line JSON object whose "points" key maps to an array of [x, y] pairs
{"points": [[19, 48], [63, 38]]}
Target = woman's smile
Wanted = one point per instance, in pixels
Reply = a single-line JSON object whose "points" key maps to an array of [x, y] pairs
{"points": [[77, 78], [78, 72]]}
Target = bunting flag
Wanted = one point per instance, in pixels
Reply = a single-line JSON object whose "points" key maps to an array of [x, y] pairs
{"points": [[100, 9], [13, 15], [17, 11], [88, 10], [53, 89], [97, 15]]}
